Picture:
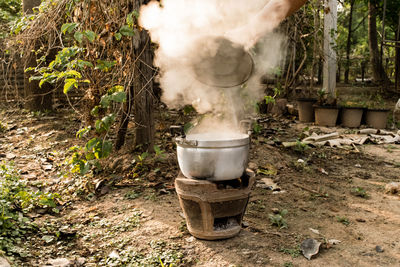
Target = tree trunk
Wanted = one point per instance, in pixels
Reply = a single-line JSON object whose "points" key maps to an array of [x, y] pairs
{"points": [[378, 73], [348, 45], [315, 42], [143, 92], [37, 98], [330, 57], [397, 60]]}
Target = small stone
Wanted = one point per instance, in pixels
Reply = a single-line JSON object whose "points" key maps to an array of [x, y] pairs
{"points": [[60, 262], [190, 239], [113, 255], [392, 188], [334, 241], [47, 167], [11, 156], [253, 166], [357, 165], [275, 210], [360, 220], [4, 262], [379, 249], [245, 224]]}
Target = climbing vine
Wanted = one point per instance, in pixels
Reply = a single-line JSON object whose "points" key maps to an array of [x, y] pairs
{"points": [[88, 50]]}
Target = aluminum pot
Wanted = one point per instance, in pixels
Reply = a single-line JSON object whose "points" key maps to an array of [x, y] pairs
{"points": [[213, 157]]}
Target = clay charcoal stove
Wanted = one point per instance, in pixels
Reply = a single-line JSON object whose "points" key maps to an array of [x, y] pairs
{"points": [[214, 185]]}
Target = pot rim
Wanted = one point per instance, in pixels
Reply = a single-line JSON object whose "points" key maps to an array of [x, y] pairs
{"points": [[195, 140]]}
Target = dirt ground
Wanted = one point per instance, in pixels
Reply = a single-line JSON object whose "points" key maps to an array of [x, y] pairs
{"points": [[137, 220]]}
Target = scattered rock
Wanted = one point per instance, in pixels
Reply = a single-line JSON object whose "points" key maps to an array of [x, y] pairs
{"points": [[10, 156], [245, 224], [253, 166], [275, 210], [334, 241], [379, 249], [360, 220], [60, 262], [47, 167], [392, 188], [268, 183], [113, 255], [315, 231], [357, 165], [322, 170], [190, 239], [4, 262], [310, 247]]}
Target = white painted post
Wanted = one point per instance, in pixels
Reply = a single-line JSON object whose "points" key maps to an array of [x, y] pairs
{"points": [[330, 29]]}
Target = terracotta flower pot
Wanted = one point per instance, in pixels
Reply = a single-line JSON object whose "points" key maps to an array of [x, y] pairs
{"points": [[306, 109], [326, 116], [377, 118], [351, 117]]}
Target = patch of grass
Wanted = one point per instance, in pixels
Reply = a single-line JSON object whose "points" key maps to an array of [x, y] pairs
{"points": [[159, 252], [293, 252], [278, 220], [288, 264], [300, 147], [3, 127], [344, 220], [152, 196], [257, 205], [132, 195], [16, 201], [390, 148], [359, 192], [183, 227]]}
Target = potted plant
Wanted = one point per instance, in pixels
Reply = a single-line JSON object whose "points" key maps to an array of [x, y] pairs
{"points": [[377, 113], [306, 109], [326, 110], [351, 114], [305, 106]]}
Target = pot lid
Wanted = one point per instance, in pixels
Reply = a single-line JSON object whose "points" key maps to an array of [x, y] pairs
{"points": [[221, 63]]}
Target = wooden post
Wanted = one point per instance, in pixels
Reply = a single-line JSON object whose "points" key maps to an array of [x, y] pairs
{"points": [[330, 29]]}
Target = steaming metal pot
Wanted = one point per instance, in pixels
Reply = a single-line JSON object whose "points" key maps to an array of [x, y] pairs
{"points": [[215, 158]]}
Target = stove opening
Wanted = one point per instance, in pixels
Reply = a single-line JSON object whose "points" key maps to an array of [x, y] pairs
{"points": [[226, 223]]}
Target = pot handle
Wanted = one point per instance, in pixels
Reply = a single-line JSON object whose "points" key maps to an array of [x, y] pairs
{"points": [[182, 141], [245, 125]]}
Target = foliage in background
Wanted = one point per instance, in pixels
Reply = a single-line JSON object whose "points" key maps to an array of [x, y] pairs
{"points": [[10, 10], [91, 56]]}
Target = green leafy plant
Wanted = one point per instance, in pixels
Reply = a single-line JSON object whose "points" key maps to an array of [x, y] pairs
{"points": [[342, 219], [16, 201], [324, 98], [257, 128], [97, 148], [300, 147], [278, 220], [360, 192], [293, 252]]}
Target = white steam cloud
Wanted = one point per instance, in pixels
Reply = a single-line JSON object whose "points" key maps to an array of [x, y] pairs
{"points": [[176, 26]]}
